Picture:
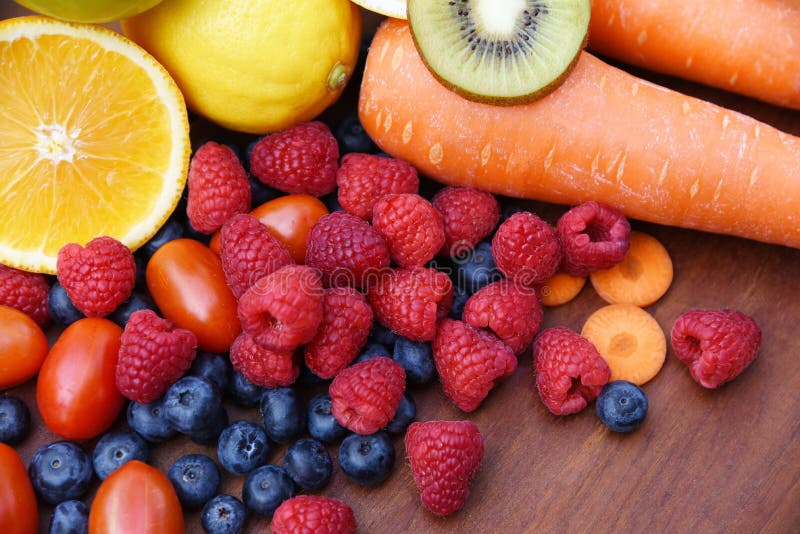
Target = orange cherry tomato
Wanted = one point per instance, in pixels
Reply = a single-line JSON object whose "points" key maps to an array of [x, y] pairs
{"points": [[23, 347], [136, 499], [290, 219], [18, 511], [76, 392], [188, 285], [214, 243]]}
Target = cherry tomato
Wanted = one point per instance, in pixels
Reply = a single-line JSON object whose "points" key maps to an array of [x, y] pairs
{"points": [[23, 347], [18, 512], [290, 219], [188, 285], [214, 243], [76, 392], [136, 499]]}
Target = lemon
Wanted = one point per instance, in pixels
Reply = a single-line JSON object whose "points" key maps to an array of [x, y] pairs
{"points": [[390, 8], [88, 10], [254, 66], [94, 140]]}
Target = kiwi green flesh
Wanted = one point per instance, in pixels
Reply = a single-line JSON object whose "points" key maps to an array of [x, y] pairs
{"points": [[500, 51]]}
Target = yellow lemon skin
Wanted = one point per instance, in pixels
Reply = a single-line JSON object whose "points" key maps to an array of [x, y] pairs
{"points": [[88, 10], [254, 66]]}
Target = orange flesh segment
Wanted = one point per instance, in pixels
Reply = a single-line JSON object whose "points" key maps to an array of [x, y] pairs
{"points": [[643, 277], [560, 289], [629, 339]]}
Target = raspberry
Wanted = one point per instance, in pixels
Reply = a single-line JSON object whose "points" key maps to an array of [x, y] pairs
{"points": [[570, 373], [249, 251], [444, 457], [263, 367], [153, 355], [300, 159], [509, 310], [469, 216], [347, 250], [365, 396], [411, 226], [411, 301], [526, 249], [26, 292], [218, 187], [365, 178], [98, 277], [470, 362], [717, 345], [313, 513], [283, 310], [593, 237], [346, 323]]}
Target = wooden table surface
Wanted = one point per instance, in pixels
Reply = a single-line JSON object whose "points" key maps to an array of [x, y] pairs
{"points": [[704, 461]]}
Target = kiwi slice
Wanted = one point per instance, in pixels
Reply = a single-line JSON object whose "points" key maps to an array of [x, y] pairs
{"points": [[500, 51]]}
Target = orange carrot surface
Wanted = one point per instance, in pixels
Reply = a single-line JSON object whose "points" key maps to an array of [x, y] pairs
{"points": [[604, 135], [751, 48]]}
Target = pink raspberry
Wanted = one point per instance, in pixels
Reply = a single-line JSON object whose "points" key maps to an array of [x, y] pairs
{"points": [[26, 292], [411, 227], [526, 249], [263, 367], [593, 237], [365, 178], [469, 216]]}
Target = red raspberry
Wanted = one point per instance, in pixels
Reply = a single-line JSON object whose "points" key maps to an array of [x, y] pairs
{"points": [[249, 251], [569, 371], [347, 250], [717, 345], [365, 178], [313, 513], [526, 249], [283, 310], [509, 310], [26, 292], [411, 226], [218, 187], [261, 366], [593, 237], [470, 362], [365, 396], [444, 457], [346, 323], [411, 301], [98, 277], [153, 355], [300, 159], [469, 216]]}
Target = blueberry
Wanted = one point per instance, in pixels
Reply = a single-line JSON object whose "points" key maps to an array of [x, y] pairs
{"points": [[622, 406], [249, 150], [352, 137], [191, 403], [308, 463], [117, 448], [141, 272], [460, 298], [148, 421], [265, 488], [15, 420], [507, 209], [243, 392], [260, 192], [190, 232], [213, 367], [372, 350], [406, 412], [284, 414], [70, 517], [224, 514], [382, 335], [322, 425], [60, 471], [307, 376], [367, 460], [62, 310], [416, 359], [477, 268], [242, 447], [195, 478], [171, 230], [332, 202], [209, 434], [137, 301]]}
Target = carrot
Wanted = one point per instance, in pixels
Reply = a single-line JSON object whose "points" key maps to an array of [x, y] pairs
{"points": [[604, 135], [751, 48], [560, 289]]}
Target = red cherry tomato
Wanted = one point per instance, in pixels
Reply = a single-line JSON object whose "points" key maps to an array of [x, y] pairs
{"points": [[290, 219], [23, 347], [76, 392], [18, 512], [188, 285], [136, 499]]}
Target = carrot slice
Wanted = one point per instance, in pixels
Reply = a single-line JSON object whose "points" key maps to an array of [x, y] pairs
{"points": [[641, 278], [629, 339], [560, 289]]}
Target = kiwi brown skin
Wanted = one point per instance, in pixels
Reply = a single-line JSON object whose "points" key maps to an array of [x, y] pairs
{"points": [[502, 101]]}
